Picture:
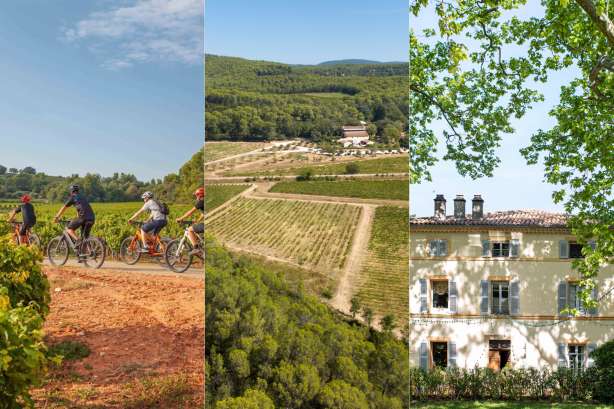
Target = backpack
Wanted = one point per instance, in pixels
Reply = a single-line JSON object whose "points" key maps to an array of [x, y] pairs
{"points": [[163, 208]]}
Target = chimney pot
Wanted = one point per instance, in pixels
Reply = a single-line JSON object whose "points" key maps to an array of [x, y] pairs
{"points": [[440, 206], [477, 207], [459, 207]]}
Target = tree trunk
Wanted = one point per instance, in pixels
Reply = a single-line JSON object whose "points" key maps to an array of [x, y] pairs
{"points": [[601, 20]]}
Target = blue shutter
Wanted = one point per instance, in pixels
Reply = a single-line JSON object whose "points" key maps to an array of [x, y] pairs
{"points": [[515, 248], [589, 349], [485, 248], [433, 248], [424, 357], [562, 297], [484, 296], [515, 297], [423, 300], [563, 249], [451, 355], [563, 356], [592, 244], [452, 296], [594, 296]]}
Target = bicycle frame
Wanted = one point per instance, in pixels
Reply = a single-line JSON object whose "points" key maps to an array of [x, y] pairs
{"points": [[152, 244], [186, 237], [17, 236]]}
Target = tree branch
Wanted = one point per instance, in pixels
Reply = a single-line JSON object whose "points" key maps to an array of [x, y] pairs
{"points": [[603, 23]]}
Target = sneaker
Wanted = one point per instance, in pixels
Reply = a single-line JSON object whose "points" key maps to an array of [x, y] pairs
{"points": [[144, 249], [196, 250]]}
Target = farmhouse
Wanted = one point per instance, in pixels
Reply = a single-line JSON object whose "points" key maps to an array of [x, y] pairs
{"points": [[354, 136], [490, 290]]}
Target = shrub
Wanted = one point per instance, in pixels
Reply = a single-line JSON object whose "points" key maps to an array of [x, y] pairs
{"points": [[70, 350], [352, 168], [604, 372], [305, 174]]}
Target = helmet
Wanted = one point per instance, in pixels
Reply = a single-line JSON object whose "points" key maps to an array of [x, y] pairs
{"points": [[26, 198], [200, 192], [74, 188], [147, 195]]}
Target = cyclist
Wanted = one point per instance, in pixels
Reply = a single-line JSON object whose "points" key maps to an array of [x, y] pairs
{"points": [[85, 215], [28, 216], [197, 227], [156, 221]]}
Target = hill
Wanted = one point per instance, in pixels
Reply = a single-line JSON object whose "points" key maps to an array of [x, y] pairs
{"points": [[264, 100], [357, 61]]}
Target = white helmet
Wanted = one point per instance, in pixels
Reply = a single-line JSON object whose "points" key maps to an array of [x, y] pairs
{"points": [[147, 195]]}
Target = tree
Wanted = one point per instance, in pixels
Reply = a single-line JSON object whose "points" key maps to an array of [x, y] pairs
{"points": [[13, 171], [29, 170], [465, 75], [367, 315], [252, 399], [354, 306], [340, 395], [2, 170], [352, 168], [387, 323]]}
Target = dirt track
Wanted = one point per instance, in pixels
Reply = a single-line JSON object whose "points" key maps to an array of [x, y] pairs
{"points": [[145, 334]]}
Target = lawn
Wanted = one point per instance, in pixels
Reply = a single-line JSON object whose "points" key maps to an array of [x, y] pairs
{"points": [[395, 164], [505, 405], [368, 189]]}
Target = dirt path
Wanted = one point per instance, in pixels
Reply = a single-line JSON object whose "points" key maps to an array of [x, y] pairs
{"points": [[351, 272], [145, 338], [142, 267]]}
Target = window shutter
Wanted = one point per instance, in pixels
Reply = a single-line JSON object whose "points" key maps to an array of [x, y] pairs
{"points": [[589, 349], [594, 296], [592, 244], [433, 247], [452, 296], [484, 297], [563, 249], [423, 300], [485, 248], [562, 356], [424, 357], [562, 296], [515, 297], [451, 355], [443, 247], [515, 248]]}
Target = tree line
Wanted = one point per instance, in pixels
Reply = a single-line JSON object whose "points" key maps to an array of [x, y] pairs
{"points": [[260, 100], [120, 187]]}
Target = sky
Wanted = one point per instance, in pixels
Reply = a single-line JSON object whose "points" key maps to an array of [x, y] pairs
{"points": [[307, 31], [101, 86], [515, 185]]}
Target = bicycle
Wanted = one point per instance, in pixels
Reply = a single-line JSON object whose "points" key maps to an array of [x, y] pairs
{"points": [[130, 251], [32, 239], [90, 251], [180, 253]]}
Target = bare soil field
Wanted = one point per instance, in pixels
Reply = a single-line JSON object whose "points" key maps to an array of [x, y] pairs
{"points": [[144, 332]]}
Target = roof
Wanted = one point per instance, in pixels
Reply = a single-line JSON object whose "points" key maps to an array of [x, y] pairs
{"points": [[355, 134], [354, 128], [512, 218]]}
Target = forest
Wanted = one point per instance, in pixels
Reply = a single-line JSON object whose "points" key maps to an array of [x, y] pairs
{"points": [[261, 100], [270, 344], [120, 187]]}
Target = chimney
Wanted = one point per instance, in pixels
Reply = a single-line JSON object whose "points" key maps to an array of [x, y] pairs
{"points": [[477, 211], [459, 207], [440, 207]]}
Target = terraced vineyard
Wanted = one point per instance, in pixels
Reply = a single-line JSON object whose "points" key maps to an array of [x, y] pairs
{"points": [[385, 281], [368, 189], [394, 164], [220, 194], [220, 150], [314, 235]]}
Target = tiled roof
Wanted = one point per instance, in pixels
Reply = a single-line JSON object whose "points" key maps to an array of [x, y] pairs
{"points": [[357, 134], [529, 218]]}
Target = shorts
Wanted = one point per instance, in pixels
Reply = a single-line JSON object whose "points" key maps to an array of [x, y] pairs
{"points": [[198, 228], [23, 230], [153, 226], [85, 225]]}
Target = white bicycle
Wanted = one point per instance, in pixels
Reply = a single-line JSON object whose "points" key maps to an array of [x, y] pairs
{"points": [[179, 254]]}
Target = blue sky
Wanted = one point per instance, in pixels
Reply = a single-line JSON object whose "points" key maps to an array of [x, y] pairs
{"points": [[101, 86], [515, 185], [307, 31]]}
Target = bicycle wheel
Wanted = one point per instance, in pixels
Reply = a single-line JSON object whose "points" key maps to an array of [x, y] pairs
{"points": [[177, 256], [130, 250], [34, 240], [57, 251], [93, 252]]}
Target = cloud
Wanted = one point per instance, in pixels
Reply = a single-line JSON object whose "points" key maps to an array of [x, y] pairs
{"points": [[146, 31]]}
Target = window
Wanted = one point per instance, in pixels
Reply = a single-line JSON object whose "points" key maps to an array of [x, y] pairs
{"points": [[575, 250], [576, 356], [440, 354], [440, 293], [438, 248], [501, 249], [499, 352], [574, 299], [500, 298]]}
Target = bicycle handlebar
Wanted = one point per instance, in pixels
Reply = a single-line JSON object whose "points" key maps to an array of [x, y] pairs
{"points": [[136, 223]]}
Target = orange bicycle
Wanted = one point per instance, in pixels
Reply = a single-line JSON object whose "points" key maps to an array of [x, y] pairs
{"points": [[31, 238], [130, 250]]}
